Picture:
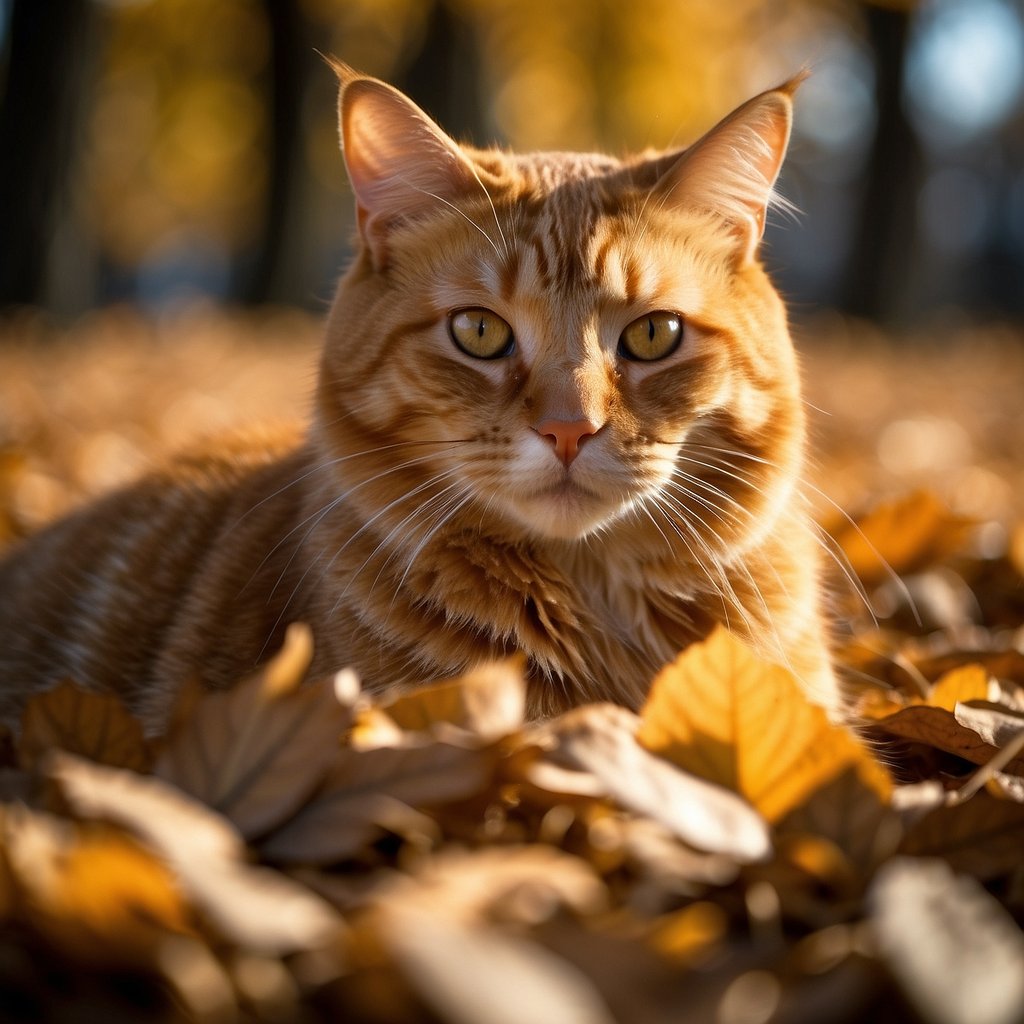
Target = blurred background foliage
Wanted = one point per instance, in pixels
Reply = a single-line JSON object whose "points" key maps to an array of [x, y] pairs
{"points": [[163, 151]]}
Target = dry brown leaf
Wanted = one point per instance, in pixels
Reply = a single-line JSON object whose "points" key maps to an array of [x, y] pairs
{"points": [[94, 892], [850, 815], [364, 789], [900, 536], [256, 908], [939, 728], [92, 725], [489, 702], [602, 740], [256, 752], [472, 974], [983, 836], [957, 953], [723, 714], [996, 724]]}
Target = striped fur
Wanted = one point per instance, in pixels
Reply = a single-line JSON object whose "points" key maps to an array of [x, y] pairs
{"points": [[424, 524]]}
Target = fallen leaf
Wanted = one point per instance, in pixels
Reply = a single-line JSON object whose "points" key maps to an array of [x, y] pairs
{"points": [[958, 955], [996, 724], [900, 536], [95, 893], [983, 836], [253, 907], [488, 702], [602, 740], [939, 728], [92, 725], [256, 752], [521, 884], [472, 974], [969, 682], [723, 714], [689, 935], [852, 816], [365, 787]]}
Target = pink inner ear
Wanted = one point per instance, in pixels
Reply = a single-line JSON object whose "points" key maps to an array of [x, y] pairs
{"points": [[399, 162], [733, 168]]}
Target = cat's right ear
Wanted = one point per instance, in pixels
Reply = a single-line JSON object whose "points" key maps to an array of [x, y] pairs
{"points": [[732, 169], [400, 164]]}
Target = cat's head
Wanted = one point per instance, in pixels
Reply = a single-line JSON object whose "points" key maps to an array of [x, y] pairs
{"points": [[556, 344]]}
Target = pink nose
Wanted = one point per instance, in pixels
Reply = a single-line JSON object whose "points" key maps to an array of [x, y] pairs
{"points": [[567, 436]]}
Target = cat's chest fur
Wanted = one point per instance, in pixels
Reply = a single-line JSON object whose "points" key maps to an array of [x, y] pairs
{"points": [[594, 621]]}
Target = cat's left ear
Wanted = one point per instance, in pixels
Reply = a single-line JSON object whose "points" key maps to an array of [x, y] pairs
{"points": [[400, 164], [733, 168]]}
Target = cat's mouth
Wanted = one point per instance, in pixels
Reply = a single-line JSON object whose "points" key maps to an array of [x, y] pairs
{"points": [[566, 510]]}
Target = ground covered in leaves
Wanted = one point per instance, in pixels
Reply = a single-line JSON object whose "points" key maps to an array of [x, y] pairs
{"points": [[295, 850]]}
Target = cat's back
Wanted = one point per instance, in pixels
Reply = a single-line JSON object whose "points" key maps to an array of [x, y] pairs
{"points": [[139, 589]]}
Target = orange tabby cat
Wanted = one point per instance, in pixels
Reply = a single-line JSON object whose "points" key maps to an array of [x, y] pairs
{"points": [[558, 412]]}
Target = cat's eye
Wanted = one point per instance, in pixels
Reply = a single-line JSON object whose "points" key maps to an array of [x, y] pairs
{"points": [[651, 337], [481, 333]]}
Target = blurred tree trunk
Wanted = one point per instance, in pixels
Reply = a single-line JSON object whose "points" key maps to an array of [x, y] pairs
{"points": [[47, 57], [444, 78], [257, 279], [881, 261]]}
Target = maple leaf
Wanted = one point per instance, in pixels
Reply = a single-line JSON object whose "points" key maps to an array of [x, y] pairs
{"points": [[92, 725], [256, 752], [725, 715]]}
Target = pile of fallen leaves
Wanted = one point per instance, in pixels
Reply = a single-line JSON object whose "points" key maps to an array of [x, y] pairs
{"points": [[295, 849]]}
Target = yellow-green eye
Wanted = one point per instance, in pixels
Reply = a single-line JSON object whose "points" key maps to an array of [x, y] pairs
{"points": [[651, 337], [481, 333]]}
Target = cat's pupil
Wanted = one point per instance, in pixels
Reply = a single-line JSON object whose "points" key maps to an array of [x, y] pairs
{"points": [[650, 330]]}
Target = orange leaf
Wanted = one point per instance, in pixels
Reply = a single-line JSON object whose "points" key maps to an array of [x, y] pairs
{"points": [[94, 891], [489, 701], [900, 536], [721, 713]]}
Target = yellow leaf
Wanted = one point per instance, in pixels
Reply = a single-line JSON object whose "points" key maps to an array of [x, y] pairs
{"points": [[92, 725], [723, 714], [959, 685]]}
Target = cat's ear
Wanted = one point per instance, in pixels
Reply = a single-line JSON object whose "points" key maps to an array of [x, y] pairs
{"points": [[400, 164], [732, 169]]}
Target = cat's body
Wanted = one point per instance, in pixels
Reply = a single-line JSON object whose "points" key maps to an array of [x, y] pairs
{"points": [[558, 413]]}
